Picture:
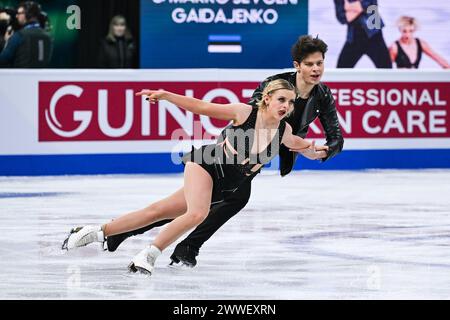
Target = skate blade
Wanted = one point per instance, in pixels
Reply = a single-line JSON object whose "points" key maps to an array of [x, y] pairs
{"points": [[179, 265], [64, 245], [66, 241], [132, 268]]}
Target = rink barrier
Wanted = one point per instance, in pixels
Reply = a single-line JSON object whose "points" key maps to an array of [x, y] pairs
{"points": [[56, 122]]}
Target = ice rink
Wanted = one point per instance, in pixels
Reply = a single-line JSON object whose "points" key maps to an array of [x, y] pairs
{"points": [[310, 235]]}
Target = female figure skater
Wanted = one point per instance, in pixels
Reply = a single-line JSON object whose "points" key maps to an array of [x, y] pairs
{"points": [[251, 141], [406, 52]]}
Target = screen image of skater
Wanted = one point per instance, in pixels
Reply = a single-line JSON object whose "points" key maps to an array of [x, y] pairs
{"points": [[406, 52], [364, 33]]}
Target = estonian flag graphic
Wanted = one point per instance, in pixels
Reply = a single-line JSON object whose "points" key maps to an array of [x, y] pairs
{"points": [[224, 44]]}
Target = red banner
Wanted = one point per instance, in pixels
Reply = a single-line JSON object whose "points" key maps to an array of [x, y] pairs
{"points": [[393, 109], [90, 111]]}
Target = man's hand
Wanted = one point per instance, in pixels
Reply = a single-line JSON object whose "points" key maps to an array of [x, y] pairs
{"points": [[352, 10], [313, 152]]}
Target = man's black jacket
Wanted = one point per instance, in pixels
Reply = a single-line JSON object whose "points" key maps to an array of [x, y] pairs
{"points": [[320, 104]]}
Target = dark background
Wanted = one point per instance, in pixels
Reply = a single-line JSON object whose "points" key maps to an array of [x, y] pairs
{"points": [[79, 48]]}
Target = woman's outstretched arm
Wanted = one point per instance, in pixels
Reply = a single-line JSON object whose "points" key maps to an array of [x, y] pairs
{"points": [[230, 111], [297, 144], [292, 141], [434, 55]]}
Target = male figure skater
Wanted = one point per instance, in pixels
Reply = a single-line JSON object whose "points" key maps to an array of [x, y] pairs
{"points": [[362, 37]]}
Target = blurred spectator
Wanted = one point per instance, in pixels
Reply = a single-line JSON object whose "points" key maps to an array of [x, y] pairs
{"points": [[406, 52], [31, 46], [117, 50], [361, 39]]}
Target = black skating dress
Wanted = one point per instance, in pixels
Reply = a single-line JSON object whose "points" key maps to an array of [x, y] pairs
{"points": [[402, 60], [229, 161]]}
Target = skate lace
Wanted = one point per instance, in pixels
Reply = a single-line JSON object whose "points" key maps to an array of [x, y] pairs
{"points": [[88, 238], [151, 259]]}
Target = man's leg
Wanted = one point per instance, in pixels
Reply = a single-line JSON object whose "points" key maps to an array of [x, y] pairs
{"points": [[378, 52], [113, 242], [188, 249], [350, 55]]}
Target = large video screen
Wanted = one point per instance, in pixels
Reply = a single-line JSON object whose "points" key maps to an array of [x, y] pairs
{"points": [[420, 27], [220, 33], [260, 33]]}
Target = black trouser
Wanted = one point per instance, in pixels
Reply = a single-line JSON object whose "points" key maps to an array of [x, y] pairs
{"points": [[374, 47], [219, 214]]}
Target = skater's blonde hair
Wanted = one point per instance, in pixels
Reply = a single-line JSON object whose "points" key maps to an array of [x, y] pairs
{"points": [[274, 86], [404, 21]]}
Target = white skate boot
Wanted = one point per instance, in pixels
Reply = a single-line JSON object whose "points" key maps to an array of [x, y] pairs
{"points": [[82, 236], [144, 261]]}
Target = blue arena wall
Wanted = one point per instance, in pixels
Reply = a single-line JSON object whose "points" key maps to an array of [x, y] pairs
{"points": [[160, 163]]}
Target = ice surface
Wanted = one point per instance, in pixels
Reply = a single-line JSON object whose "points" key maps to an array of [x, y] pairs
{"points": [[330, 235]]}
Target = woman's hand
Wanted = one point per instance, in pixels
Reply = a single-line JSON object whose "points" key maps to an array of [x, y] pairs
{"points": [[313, 152], [153, 95], [322, 148], [298, 144]]}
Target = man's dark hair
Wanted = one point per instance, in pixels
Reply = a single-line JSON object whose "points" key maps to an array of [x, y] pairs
{"points": [[307, 45], [32, 9]]}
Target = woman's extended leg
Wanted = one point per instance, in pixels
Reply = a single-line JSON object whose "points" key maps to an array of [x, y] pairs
{"points": [[167, 208], [198, 187], [170, 207]]}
